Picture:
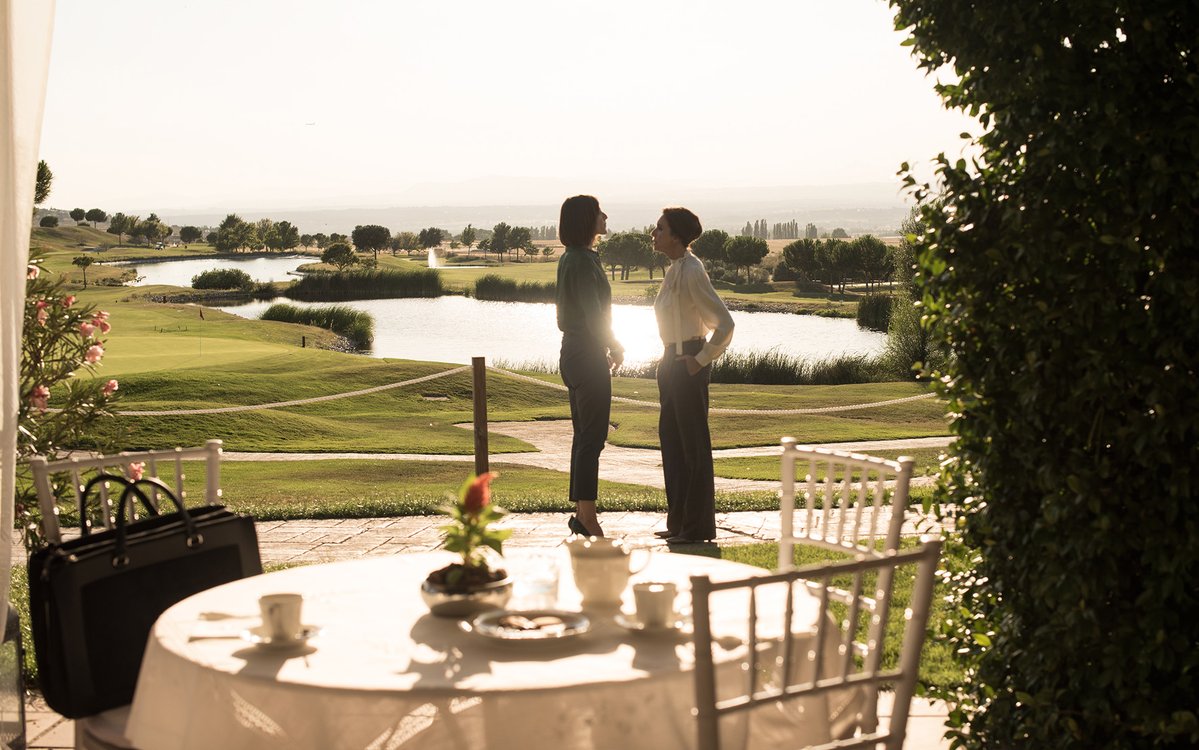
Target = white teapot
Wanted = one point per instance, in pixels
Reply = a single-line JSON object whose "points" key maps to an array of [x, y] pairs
{"points": [[602, 567]]}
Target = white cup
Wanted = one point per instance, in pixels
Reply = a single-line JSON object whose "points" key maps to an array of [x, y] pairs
{"points": [[281, 615], [655, 603]]}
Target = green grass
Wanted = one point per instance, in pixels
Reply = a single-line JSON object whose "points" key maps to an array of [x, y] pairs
{"points": [[937, 664], [767, 467]]}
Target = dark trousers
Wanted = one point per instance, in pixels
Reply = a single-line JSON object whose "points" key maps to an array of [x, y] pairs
{"points": [[686, 446], [584, 368]]}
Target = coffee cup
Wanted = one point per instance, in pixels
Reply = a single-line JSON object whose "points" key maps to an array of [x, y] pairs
{"points": [[281, 615], [655, 603]]}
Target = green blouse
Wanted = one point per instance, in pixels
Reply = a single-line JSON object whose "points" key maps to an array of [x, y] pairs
{"points": [[584, 297]]}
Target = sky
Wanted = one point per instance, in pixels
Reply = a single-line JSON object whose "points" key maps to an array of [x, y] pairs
{"points": [[166, 105]]}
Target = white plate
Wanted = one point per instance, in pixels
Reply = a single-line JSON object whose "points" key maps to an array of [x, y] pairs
{"points": [[631, 623], [260, 636], [528, 625]]}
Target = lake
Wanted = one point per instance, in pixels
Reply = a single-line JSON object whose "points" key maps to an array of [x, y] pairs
{"points": [[454, 329]]}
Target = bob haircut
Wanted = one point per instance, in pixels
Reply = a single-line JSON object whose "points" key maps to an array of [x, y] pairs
{"points": [[683, 224], [576, 224]]}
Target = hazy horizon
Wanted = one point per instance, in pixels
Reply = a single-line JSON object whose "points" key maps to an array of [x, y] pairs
{"points": [[226, 107]]}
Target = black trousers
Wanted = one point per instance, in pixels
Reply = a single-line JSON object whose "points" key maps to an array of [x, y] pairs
{"points": [[686, 446], [584, 368]]}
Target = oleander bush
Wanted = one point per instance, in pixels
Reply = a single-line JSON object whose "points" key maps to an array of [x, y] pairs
{"points": [[1060, 268]]}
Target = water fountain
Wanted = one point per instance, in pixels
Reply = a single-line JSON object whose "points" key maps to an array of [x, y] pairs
{"points": [[433, 262]]}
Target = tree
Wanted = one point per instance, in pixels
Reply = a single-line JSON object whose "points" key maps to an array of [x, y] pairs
{"points": [[283, 236], [306, 240], [839, 234], [211, 238], [371, 238], [499, 239], [119, 225], [833, 260], [94, 215], [872, 258], [77, 214], [45, 178], [430, 238], [520, 238], [189, 234], [800, 257], [810, 232], [233, 234], [321, 240], [710, 245], [339, 254], [745, 252], [49, 221], [406, 241], [468, 237], [1060, 266], [82, 262], [626, 251]]}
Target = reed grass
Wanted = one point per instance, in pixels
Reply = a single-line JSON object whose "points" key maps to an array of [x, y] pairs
{"points": [[223, 278], [367, 284], [498, 288], [874, 312], [756, 368], [355, 325]]}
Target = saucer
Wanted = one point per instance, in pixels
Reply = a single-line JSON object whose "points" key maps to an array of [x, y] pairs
{"points": [[260, 636], [632, 624]]}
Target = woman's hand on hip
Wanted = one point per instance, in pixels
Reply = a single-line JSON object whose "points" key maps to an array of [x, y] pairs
{"points": [[693, 365], [615, 360]]}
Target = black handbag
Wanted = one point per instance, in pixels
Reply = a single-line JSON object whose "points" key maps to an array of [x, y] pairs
{"points": [[93, 599]]}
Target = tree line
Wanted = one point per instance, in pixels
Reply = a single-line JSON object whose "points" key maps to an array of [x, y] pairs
{"points": [[836, 262], [788, 230]]}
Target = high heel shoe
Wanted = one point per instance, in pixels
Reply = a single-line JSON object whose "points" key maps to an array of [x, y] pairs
{"points": [[576, 526]]}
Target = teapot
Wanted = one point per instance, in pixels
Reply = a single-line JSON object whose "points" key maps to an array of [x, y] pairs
{"points": [[602, 567]]}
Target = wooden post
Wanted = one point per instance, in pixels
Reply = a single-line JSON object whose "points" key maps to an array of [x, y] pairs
{"points": [[303, 342], [480, 391]]}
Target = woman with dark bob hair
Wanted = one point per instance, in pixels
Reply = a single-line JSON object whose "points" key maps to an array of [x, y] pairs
{"points": [[590, 353], [687, 309]]}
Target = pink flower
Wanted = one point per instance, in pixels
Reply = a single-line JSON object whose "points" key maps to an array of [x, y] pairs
{"points": [[32, 272], [478, 494], [104, 326], [135, 470], [42, 315], [101, 315], [39, 397], [68, 300], [85, 330], [42, 304], [94, 353], [110, 387]]}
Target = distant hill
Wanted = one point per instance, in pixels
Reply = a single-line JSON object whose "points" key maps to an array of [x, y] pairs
{"points": [[875, 207]]}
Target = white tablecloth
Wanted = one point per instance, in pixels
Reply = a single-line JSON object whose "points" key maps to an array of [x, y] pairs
{"points": [[384, 673]]}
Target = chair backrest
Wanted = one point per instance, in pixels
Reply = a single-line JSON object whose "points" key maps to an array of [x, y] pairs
{"points": [[791, 663], [166, 465], [847, 501]]}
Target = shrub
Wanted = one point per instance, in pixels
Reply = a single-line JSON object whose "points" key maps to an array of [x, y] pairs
{"points": [[48, 221], [493, 287], [1060, 266], [223, 278], [783, 272], [367, 284], [874, 311], [355, 325]]}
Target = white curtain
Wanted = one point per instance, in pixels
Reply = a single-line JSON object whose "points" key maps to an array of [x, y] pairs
{"points": [[25, 30]]}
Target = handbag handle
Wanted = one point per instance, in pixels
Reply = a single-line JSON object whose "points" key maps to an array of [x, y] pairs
{"points": [[84, 526], [194, 538]]}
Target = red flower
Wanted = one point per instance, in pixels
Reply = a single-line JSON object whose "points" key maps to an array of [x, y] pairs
{"points": [[478, 494]]}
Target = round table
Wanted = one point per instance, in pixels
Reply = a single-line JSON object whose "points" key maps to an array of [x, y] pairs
{"points": [[384, 673]]}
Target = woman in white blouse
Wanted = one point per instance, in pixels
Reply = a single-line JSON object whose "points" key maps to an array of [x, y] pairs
{"points": [[687, 309]]}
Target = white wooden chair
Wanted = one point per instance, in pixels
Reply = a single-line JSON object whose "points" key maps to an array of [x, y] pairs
{"points": [[848, 501], [166, 465], [789, 666], [105, 731]]}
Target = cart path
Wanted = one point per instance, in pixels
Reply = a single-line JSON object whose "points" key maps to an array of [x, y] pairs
{"points": [[641, 466]]}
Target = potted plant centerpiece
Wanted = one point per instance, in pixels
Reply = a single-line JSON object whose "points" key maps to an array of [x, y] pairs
{"points": [[463, 588]]}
